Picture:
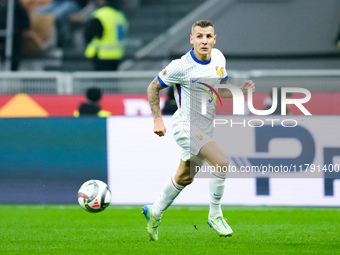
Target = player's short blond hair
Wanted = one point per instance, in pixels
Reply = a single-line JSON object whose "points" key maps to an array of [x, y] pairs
{"points": [[202, 23]]}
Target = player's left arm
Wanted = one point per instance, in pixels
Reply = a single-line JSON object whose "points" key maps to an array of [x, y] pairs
{"points": [[226, 93]]}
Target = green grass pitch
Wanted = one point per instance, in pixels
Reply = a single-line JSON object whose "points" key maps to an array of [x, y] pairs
{"points": [[57, 229]]}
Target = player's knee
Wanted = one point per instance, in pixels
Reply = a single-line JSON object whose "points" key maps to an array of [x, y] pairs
{"points": [[223, 163]]}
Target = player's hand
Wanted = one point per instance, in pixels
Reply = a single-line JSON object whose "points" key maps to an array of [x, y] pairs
{"points": [[159, 128], [247, 84]]}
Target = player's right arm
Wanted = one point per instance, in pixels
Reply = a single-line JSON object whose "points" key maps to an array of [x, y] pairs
{"points": [[154, 99]]}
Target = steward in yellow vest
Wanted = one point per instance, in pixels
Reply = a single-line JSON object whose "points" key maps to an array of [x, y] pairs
{"points": [[105, 35]]}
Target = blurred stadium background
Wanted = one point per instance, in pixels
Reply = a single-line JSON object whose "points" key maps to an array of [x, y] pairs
{"points": [[46, 154]]}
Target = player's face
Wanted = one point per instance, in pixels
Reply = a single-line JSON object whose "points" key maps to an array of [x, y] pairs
{"points": [[203, 40]]}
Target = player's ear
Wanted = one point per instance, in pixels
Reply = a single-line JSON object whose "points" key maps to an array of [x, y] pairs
{"points": [[215, 38], [191, 39]]}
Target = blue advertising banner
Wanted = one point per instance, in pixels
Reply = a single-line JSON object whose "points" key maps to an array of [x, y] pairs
{"points": [[46, 160]]}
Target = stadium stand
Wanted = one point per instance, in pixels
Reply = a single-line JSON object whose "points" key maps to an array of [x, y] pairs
{"points": [[157, 16], [278, 34]]}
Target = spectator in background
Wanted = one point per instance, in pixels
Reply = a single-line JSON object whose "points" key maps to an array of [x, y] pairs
{"points": [[20, 26], [268, 102], [61, 9], [105, 36], [91, 107]]}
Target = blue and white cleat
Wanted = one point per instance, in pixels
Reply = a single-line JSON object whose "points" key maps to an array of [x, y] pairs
{"points": [[220, 225], [152, 224]]}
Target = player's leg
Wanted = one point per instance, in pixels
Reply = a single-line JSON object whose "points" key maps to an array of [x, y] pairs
{"points": [[173, 187], [215, 156], [171, 190]]}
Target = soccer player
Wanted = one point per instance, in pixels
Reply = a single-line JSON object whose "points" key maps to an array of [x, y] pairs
{"points": [[186, 74]]}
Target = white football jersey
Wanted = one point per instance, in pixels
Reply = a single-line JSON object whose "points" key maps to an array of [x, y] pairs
{"points": [[194, 80]]}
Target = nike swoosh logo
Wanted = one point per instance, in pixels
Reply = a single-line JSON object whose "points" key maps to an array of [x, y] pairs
{"points": [[193, 81], [217, 195]]}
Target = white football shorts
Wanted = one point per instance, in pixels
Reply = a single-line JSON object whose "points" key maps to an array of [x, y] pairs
{"points": [[190, 139]]}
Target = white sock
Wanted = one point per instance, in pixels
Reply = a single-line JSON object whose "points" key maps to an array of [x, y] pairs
{"points": [[170, 191], [216, 189]]}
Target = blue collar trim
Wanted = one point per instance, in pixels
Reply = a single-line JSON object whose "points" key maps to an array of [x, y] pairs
{"points": [[197, 60]]}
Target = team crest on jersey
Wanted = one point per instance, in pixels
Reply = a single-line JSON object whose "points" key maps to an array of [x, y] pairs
{"points": [[165, 72], [199, 137], [219, 71]]}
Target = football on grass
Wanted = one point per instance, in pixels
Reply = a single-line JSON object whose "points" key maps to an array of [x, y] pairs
{"points": [[94, 196]]}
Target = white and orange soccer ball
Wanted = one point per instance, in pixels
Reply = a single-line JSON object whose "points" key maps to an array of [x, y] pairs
{"points": [[94, 196]]}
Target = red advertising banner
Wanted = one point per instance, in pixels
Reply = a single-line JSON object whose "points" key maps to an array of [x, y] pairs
{"points": [[23, 105]]}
